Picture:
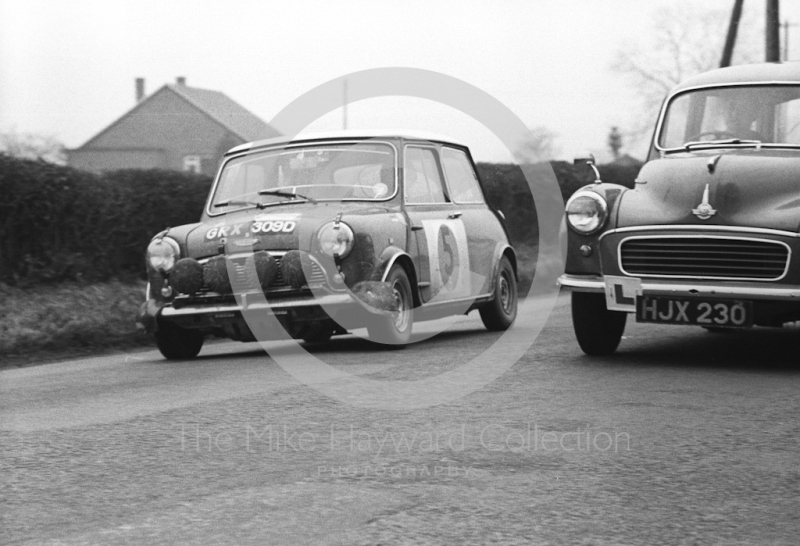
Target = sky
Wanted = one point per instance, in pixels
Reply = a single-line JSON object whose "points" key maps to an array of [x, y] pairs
{"points": [[67, 67]]}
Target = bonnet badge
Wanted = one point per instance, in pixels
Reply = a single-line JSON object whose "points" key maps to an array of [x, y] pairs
{"points": [[704, 210]]}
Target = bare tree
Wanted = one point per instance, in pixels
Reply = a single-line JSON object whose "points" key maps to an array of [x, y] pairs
{"points": [[32, 146], [686, 39], [541, 146]]}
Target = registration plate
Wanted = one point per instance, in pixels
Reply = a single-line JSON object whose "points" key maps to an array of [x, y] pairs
{"points": [[665, 310]]}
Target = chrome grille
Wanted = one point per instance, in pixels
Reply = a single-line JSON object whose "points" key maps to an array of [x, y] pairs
{"points": [[317, 275], [710, 257]]}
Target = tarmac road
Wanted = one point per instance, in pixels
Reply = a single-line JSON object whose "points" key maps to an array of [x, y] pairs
{"points": [[683, 437]]}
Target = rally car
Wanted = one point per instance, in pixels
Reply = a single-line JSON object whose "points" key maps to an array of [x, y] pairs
{"points": [[327, 234]]}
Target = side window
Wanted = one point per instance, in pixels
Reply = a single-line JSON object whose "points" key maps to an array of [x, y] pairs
{"points": [[421, 176], [788, 122], [461, 179]]}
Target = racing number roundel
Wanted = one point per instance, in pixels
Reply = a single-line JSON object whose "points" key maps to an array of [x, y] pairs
{"points": [[448, 257]]}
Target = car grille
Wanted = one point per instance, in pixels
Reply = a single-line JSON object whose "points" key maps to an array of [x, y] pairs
{"points": [[243, 276], [317, 276], [713, 257]]}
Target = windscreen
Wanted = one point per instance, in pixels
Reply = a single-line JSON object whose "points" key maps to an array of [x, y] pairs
{"points": [[769, 114], [351, 171]]}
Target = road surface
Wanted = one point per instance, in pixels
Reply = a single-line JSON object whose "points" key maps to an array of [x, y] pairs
{"points": [[683, 437]]}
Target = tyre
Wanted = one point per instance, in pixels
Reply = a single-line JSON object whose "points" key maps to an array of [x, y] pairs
{"points": [[499, 314], [598, 330], [393, 330], [177, 343]]}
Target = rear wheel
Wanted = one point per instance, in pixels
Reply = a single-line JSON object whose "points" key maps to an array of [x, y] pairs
{"points": [[393, 329], [499, 314], [177, 343], [598, 330]]}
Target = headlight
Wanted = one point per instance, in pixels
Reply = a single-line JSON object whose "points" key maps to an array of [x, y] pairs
{"points": [[162, 253], [336, 239], [587, 212]]}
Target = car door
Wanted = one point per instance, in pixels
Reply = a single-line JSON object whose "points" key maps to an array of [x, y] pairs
{"points": [[483, 230], [442, 252]]}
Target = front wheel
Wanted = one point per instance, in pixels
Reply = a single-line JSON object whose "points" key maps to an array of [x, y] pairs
{"points": [[393, 329], [500, 313], [598, 330], [177, 343]]}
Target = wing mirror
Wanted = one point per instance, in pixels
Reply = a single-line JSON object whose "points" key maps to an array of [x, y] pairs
{"points": [[588, 159]]}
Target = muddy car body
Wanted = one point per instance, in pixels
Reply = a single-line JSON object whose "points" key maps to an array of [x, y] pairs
{"points": [[710, 235], [329, 234]]}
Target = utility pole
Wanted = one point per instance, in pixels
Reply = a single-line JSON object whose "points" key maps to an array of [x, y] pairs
{"points": [[773, 32], [733, 28], [344, 104]]}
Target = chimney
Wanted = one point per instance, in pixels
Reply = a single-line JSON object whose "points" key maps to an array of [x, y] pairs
{"points": [[181, 80], [139, 89]]}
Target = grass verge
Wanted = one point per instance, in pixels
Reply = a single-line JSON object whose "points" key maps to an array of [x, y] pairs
{"points": [[48, 322]]}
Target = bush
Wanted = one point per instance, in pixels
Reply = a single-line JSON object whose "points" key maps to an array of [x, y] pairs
{"points": [[58, 223]]}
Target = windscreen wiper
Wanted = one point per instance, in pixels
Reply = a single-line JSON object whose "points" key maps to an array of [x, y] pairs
{"points": [[235, 203], [282, 193], [694, 143]]}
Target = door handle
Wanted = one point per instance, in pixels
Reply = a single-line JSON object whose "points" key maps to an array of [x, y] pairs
{"points": [[455, 215]]}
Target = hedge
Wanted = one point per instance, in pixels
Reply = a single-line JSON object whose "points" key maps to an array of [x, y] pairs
{"points": [[507, 189], [58, 223]]}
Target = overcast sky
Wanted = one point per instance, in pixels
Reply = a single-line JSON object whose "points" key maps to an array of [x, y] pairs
{"points": [[67, 68]]}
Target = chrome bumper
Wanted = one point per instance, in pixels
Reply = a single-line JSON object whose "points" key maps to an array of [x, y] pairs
{"points": [[277, 307], [743, 290]]}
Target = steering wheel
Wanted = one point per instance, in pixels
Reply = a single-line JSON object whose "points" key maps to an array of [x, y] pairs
{"points": [[718, 134]]}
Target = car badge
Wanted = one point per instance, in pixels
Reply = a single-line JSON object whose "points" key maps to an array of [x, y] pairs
{"points": [[704, 210], [249, 241]]}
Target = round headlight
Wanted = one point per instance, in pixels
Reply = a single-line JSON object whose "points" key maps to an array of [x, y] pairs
{"points": [[162, 253], [587, 212], [336, 239]]}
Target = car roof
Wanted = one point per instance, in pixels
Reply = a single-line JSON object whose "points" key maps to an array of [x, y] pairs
{"points": [[778, 72], [346, 135]]}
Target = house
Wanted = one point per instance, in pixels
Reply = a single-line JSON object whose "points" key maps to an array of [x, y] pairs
{"points": [[178, 127]]}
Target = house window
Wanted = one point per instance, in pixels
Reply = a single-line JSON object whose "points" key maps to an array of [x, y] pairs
{"points": [[192, 163]]}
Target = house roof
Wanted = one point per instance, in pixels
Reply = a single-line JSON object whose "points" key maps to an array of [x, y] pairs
{"points": [[216, 105], [226, 111]]}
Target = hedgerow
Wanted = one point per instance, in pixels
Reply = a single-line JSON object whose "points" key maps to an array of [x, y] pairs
{"points": [[58, 223]]}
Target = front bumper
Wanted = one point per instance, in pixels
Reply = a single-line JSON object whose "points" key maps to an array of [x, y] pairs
{"points": [[706, 289], [282, 306], [229, 316]]}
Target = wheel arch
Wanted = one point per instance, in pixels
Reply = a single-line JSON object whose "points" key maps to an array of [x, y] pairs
{"points": [[392, 256], [509, 253], [504, 250]]}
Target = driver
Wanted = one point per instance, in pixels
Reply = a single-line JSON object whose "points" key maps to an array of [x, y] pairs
{"points": [[740, 119]]}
